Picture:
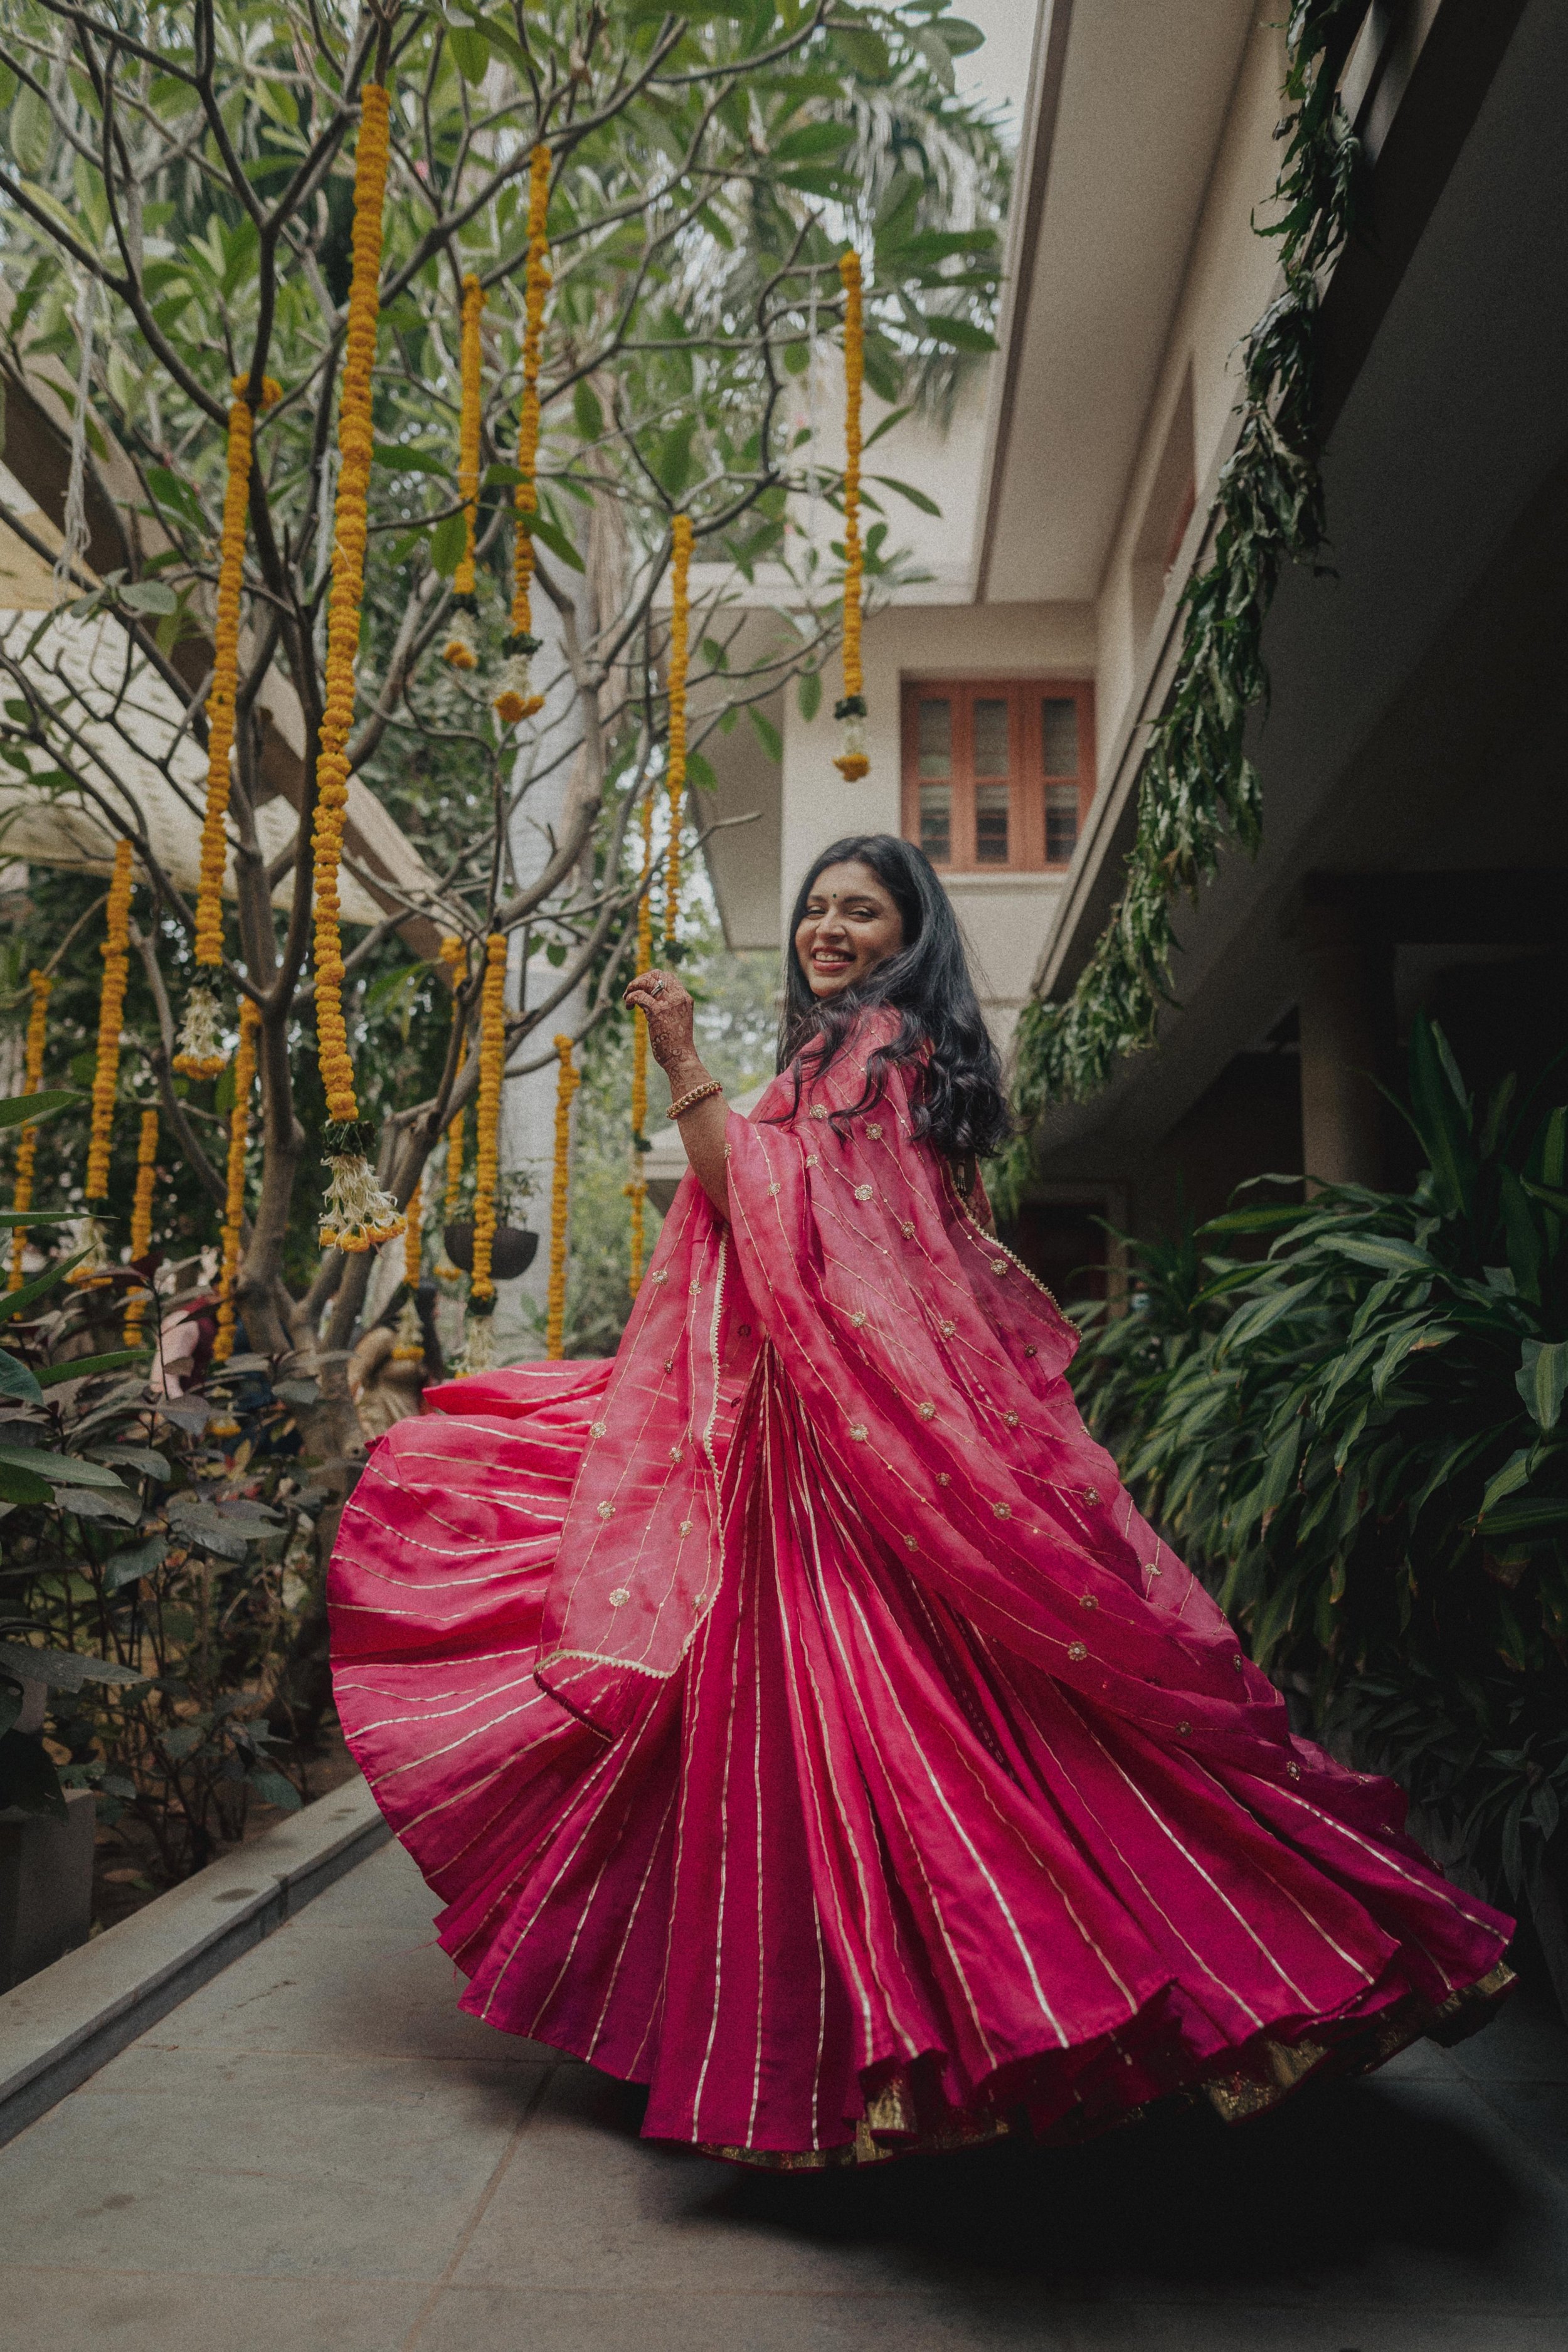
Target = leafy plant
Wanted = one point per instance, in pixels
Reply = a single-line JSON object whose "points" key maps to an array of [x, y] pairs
{"points": [[1359, 1439]]}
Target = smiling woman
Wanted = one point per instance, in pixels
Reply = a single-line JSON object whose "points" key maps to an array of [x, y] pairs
{"points": [[796, 1716]]}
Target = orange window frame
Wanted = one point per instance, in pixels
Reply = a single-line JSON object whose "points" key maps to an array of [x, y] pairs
{"points": [[1027, 777]]}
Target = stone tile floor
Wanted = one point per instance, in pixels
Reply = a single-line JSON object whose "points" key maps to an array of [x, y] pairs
{"points": [[317, 2153]]}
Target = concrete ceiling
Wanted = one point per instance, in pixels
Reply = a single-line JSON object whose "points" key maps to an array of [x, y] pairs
{"points": [[1128, 100]]}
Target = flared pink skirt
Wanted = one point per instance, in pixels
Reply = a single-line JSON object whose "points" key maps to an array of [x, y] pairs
{"points": [[856, 1880]]}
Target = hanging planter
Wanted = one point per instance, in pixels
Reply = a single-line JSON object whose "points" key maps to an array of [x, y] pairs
{"points": [[513, 1249]]}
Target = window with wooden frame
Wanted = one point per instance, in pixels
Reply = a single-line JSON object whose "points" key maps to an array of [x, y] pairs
{"points": [[998, 772]]}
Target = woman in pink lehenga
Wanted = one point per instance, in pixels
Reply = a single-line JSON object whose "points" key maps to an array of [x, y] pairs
{"points": [[794, 1715]]}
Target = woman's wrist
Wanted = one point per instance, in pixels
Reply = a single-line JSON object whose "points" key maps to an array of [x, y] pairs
{"points": [[685, 1074]]}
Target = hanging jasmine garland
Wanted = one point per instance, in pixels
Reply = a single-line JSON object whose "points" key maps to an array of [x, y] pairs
{"points": [[203, 1052], [478, 1353], [142, 1221], [27, 1142], [234, 1211], [359, 1215], [461, 649], [566, 1085], [106, 1069], [850, 711], [515, 698]]}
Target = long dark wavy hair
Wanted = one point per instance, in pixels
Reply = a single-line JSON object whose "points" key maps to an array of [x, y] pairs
{"points": [[959, 1105]]}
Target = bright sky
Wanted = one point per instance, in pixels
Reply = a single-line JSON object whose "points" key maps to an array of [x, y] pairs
{"points": [[1000, 71]]}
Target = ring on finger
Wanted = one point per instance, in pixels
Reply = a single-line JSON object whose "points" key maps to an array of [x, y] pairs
{"points": [[656, 984]]}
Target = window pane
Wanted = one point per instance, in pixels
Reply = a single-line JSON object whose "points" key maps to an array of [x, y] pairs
{"points": [[1061, 821], [1061, 735], [990, 822], [935, 740], [936, 822], [991, 739]]}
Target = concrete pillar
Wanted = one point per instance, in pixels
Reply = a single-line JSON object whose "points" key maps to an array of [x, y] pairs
{"points": [[1347, 1045]]}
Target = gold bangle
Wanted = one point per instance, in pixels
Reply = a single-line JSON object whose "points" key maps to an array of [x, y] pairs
{"points": [[697, 1094]]}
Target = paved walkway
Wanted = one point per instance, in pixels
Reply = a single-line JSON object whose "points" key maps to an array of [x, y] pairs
{"points": [[317, 2153]]}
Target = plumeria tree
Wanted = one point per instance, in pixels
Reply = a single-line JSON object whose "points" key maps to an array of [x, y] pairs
{"points": [[607, 237]]}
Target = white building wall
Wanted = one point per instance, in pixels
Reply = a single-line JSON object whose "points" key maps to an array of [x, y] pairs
{"points": [[1230, 276], [1005, 916]]}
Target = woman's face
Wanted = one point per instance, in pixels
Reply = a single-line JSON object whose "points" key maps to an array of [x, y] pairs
{"points": [[849, 927]]}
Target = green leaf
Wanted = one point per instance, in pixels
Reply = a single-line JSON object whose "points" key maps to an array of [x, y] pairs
{"points": [[60, 1469], [88, 1367], [811, 139], [907, 490], [16, 1380], [551, 536], [586, 414], [274, 1790], [1441, 1116], [1514, 1474], [958, 334], [808, 693], [1542, 1379], [38, 1288], [1528, 1519], [23, 1487], [134, 1561], [768, 735], [471, 52], [448, 542], [32, 132], [699, 771], [147, 596], [30, 1110], [1388, 1254]]}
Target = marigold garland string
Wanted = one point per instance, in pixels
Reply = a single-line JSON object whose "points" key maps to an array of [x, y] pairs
{"points": [[850, 711], [636, 1188], [234, 1209], [455, 956], [203, 1052], [674, 758], [359, 1215], [479, 1353], [410, 1348], [141, 1222], [515, 698], [461, 649], [28, 1141], [106, 1069], [566, 1085]]}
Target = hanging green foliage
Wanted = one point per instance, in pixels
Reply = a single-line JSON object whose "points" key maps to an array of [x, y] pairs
{"points": [[1197, 788]]}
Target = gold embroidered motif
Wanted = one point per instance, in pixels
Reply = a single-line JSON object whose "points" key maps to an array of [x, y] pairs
{"points": [[687, 1525], [819, 1110], [1182, 1728], [597, 1428], [862, 1191], [1011, 1419], [1076, 1650], [1091, 1495], [875, 1131], [1087, 1600], [928, 1413], [773, 1191], [1238, 1662], [1003, 1510], [947, 1329], [998, 1266], [857, 1429], [1294, 1770], [1031, 1352], [618, 1596], [606, 1510], [908, 1232], [859, 1318], [943, 1479], [662, 1276], [812, 1160], [912, 1543]]}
